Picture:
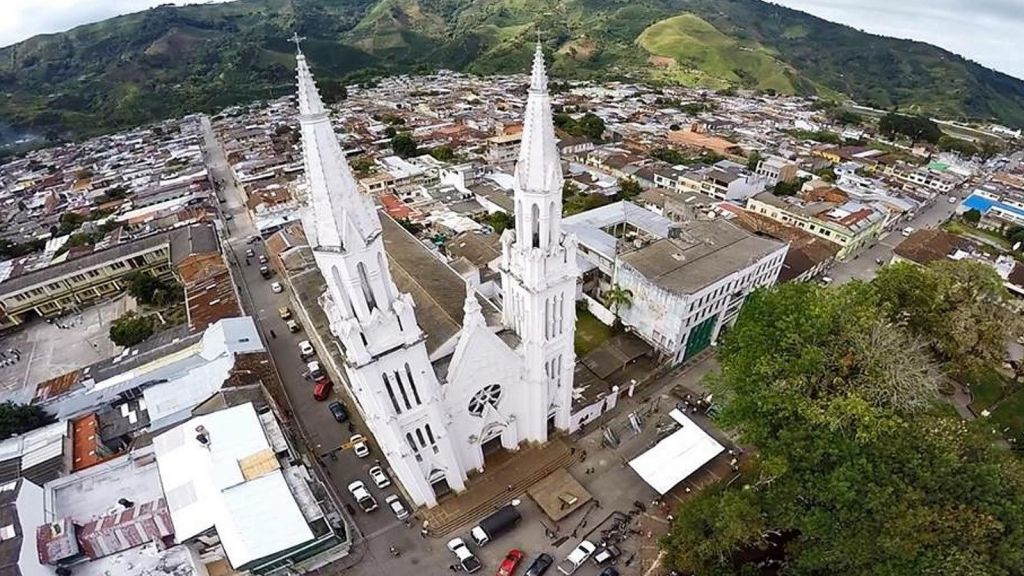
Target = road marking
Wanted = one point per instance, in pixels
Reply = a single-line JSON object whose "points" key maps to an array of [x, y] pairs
{"points": [[381, 531], [28, 365]]}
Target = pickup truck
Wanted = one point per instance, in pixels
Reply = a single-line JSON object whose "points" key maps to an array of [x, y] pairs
{"points": [[466, 558], [362, 496], [577, 557]]}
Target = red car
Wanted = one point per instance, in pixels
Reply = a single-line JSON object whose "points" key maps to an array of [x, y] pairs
{"points": [[508, 565], [321, 388]]}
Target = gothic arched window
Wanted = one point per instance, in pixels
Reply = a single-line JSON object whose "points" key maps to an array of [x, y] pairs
{"points": [[490, 394]]}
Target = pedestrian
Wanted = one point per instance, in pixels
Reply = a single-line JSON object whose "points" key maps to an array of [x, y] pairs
{"points": [[509, 487], [572, 451], [597, 504], [453, 568], [272, 334], [423, 533]]}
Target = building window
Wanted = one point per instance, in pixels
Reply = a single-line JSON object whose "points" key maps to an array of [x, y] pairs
{"points": [[490, 394]]}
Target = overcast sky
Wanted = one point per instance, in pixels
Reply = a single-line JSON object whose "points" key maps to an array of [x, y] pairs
{"points": [[988, 31]]}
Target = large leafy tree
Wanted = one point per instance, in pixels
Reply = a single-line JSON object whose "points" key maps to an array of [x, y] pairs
{"points": [[856, 471], [20, 418]]}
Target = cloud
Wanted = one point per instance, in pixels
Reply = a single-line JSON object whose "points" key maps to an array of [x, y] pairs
{"points": [[26, 18], [986, 31]]}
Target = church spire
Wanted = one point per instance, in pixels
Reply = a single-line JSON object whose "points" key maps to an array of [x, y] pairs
{"points": [[538, 170], [340, 214]]}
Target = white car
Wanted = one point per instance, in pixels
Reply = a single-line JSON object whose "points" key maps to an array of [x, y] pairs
{"points": [[577, 557], [397, 508], [276, 288], [306, 349], [362, 496], [952, 199], [379, 477], [359, 446], [468, 562]]}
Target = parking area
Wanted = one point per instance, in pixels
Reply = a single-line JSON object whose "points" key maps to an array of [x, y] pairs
{"points": [[44, 349]]}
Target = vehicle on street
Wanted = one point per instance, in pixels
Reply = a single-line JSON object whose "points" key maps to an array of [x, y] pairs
{"points": [[826, 280], [322, 387], [306, 349], [879, 261], [606, 554], [466, 558], [284, 312], [540, 565], [952, 200], [499, 522], [253, 239], [263, 259], [907, 231], [293, 326], [229, 216], [313, 370], [379, 477], [276, 288], [264, 271], [577, 557], [397, 508], [249, 253], [362, 496], [359, 445], [609, 571], [339, 412], [508, 565]]}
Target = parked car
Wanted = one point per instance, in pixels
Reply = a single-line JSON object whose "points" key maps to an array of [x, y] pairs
{"points": [[263, 259], [276, 288], [500, 521], [577, 557], [397, 508], [313, 370], [293, 326], [907, 231], [362, 496], [466, 558], [379, 477], [338, 411], [284, 312], [229, 216], [249, 252], [253, 239], [264, 271], [322, 388], [306, 349], [607, 553], [508, 565], [359, 446], [609, 571], [540, 565]]}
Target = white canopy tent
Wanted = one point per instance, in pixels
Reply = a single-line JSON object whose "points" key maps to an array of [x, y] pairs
{"points": [[676, 457]]}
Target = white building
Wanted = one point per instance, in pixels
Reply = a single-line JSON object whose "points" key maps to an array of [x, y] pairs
{"points": [[441, 385], [688, 279]]}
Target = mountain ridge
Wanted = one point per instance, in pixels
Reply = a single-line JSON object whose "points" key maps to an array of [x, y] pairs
{"points": [[172, 60]]}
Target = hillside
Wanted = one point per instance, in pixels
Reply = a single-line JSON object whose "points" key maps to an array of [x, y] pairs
{"points": [[174, 60]]}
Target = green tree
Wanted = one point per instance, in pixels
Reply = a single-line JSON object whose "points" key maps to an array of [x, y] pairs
{"points": [[616, 297], [69, 222], [569, 188], [629, 188], [972, 216], [130, 329], [500, 221], [443, 153], [18, 419], [147, 288], [332, 91], [855, 471], [917, 128], [753, 160], [958, 307], [404, 145]]}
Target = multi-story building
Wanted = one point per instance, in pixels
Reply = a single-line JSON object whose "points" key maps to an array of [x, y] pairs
{"points": [[852, 225], [687, 278], [776, 170]]}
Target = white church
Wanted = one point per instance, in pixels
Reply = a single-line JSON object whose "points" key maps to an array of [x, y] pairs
{"points": [[438, 389]]}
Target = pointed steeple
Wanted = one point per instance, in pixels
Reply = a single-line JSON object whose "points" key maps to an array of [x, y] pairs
{"points": [[538, 170], [472, 312], [340, 214]]}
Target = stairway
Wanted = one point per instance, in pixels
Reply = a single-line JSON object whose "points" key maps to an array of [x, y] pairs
{"points": [[488, 491]]}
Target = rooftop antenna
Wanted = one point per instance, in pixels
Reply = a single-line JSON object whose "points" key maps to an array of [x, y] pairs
{"points": [[296, 39]]}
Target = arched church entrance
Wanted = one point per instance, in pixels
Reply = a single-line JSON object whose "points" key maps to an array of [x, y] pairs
{"points": [[490, 444], [439, 483]]}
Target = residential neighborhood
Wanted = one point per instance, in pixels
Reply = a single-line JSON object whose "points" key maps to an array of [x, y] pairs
{"points": [[322, 334]]}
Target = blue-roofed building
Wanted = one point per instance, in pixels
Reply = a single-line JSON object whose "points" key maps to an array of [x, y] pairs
{"points": [[998, 208]]}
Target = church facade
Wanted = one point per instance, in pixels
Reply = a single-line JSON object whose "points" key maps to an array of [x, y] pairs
{"points": [[441, 391]]}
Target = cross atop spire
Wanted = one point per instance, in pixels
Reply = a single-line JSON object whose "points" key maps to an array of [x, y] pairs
{"points": [[296, 39], [539, 76]]}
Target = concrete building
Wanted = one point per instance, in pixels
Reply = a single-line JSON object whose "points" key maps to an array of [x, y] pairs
{"points": [[776, 170], [687, 279]]}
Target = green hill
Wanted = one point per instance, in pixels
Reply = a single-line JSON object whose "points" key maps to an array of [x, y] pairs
{"points": [[174, 60]]}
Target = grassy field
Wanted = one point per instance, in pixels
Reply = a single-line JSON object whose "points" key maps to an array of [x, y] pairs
{"points": [[590, 333], [986, 386], [1008, 417], [695, 44]]}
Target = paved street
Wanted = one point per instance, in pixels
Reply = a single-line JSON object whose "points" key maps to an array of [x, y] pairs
{"points": [[863, 266], [321, 431]]}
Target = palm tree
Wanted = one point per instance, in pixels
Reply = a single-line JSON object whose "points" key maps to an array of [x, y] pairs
{"points": [[617, 297]]}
